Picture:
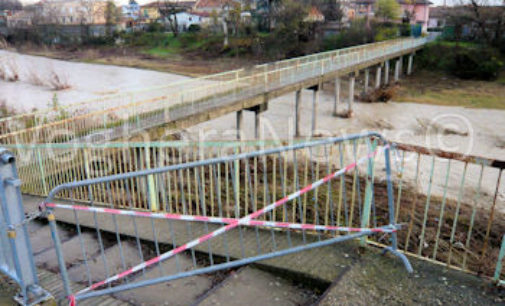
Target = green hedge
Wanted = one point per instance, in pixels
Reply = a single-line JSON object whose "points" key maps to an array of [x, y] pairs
{"points": [[467, 61]]}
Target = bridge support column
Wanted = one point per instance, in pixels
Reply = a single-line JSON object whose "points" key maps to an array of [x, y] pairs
{"points": [[240, 120], [257, 118], [397, 70], [352, 81], [298, 101], [409, 65], [315, 102], [336, 102], [378, 74], [367, 79], [386, 73]]}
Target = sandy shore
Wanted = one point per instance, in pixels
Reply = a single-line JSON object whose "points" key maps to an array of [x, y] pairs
{"points": [[86, 81]]}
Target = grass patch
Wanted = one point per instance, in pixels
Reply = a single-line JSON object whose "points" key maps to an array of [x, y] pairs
{"points": [[438, 89]]}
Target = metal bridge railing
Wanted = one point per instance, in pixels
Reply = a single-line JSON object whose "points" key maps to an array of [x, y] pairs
{"points": [[231, 208], [125, 114], [452, 204]]}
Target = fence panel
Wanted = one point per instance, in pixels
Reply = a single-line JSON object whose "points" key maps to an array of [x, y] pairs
{"points": [[243, 198], [452, 205]]}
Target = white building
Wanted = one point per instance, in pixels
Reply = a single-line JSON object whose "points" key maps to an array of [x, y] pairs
{"points": [[131, 10], [186, 19]]}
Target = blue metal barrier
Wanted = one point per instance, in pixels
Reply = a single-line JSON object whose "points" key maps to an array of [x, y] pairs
{"points": [[16, 258]]}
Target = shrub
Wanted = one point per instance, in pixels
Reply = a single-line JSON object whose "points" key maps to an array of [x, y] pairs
{"points": [[468, 61], [194, 28], [386, 33]]}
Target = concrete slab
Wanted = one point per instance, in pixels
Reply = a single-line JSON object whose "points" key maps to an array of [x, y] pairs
{"points": [[40, 236], [100, 269], [251, 286], [378, 280], [72, 251], [178, 292]]}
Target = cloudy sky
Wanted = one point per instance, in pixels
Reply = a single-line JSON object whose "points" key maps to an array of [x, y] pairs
{"points": [[435, 2]]}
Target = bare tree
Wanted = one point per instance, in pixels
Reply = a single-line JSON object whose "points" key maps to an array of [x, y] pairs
{"points": [[487, 18], [169, 10]]}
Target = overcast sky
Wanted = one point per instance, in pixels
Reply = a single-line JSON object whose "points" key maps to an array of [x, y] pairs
{"points": [[435, 2]]}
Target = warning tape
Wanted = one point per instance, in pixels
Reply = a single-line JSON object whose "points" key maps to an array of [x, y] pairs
{"points": [[218, 220]]}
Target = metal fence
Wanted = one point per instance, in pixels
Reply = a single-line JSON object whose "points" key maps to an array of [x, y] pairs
{"points": [[16, 258], [121, 115], [453, 205], [243, 198]]}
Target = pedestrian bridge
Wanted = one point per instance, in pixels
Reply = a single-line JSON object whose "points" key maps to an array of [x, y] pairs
{"points": [[189, 102]]}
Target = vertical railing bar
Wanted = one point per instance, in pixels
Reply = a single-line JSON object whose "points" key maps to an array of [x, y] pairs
{"points": [[185, 211], [135, 228], [116, 229], [491, 215], [204, 213], [414, 203], [426, 207], [472, 218], [253, 204], [282, 174], [81, 244], [456, 214], [298, 199], [442, 209], [220, 207], [400, 184], [236, 194]]}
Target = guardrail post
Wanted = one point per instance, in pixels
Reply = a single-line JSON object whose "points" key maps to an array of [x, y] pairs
{"points": [[20, 266]]}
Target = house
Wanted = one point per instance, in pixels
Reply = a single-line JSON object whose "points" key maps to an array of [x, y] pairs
{"points": [[150, 12], [416, 11], [62, 20], [69, 12], [131, 10], [217, 6], [438, 17], [19, 20], [186, 19]]}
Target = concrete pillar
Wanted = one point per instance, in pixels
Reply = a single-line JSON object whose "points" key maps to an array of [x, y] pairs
{"points": [[397, 71], [298, 100], [378, 74], [352, 80], [386, 73], [240, 120], [337, 97], [367, 78], [400, 73], [257, 124], [315, 102], [409, 65]]}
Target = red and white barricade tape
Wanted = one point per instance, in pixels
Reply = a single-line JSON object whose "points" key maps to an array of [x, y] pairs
{"points": [[217, 220], [242, 221]]}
